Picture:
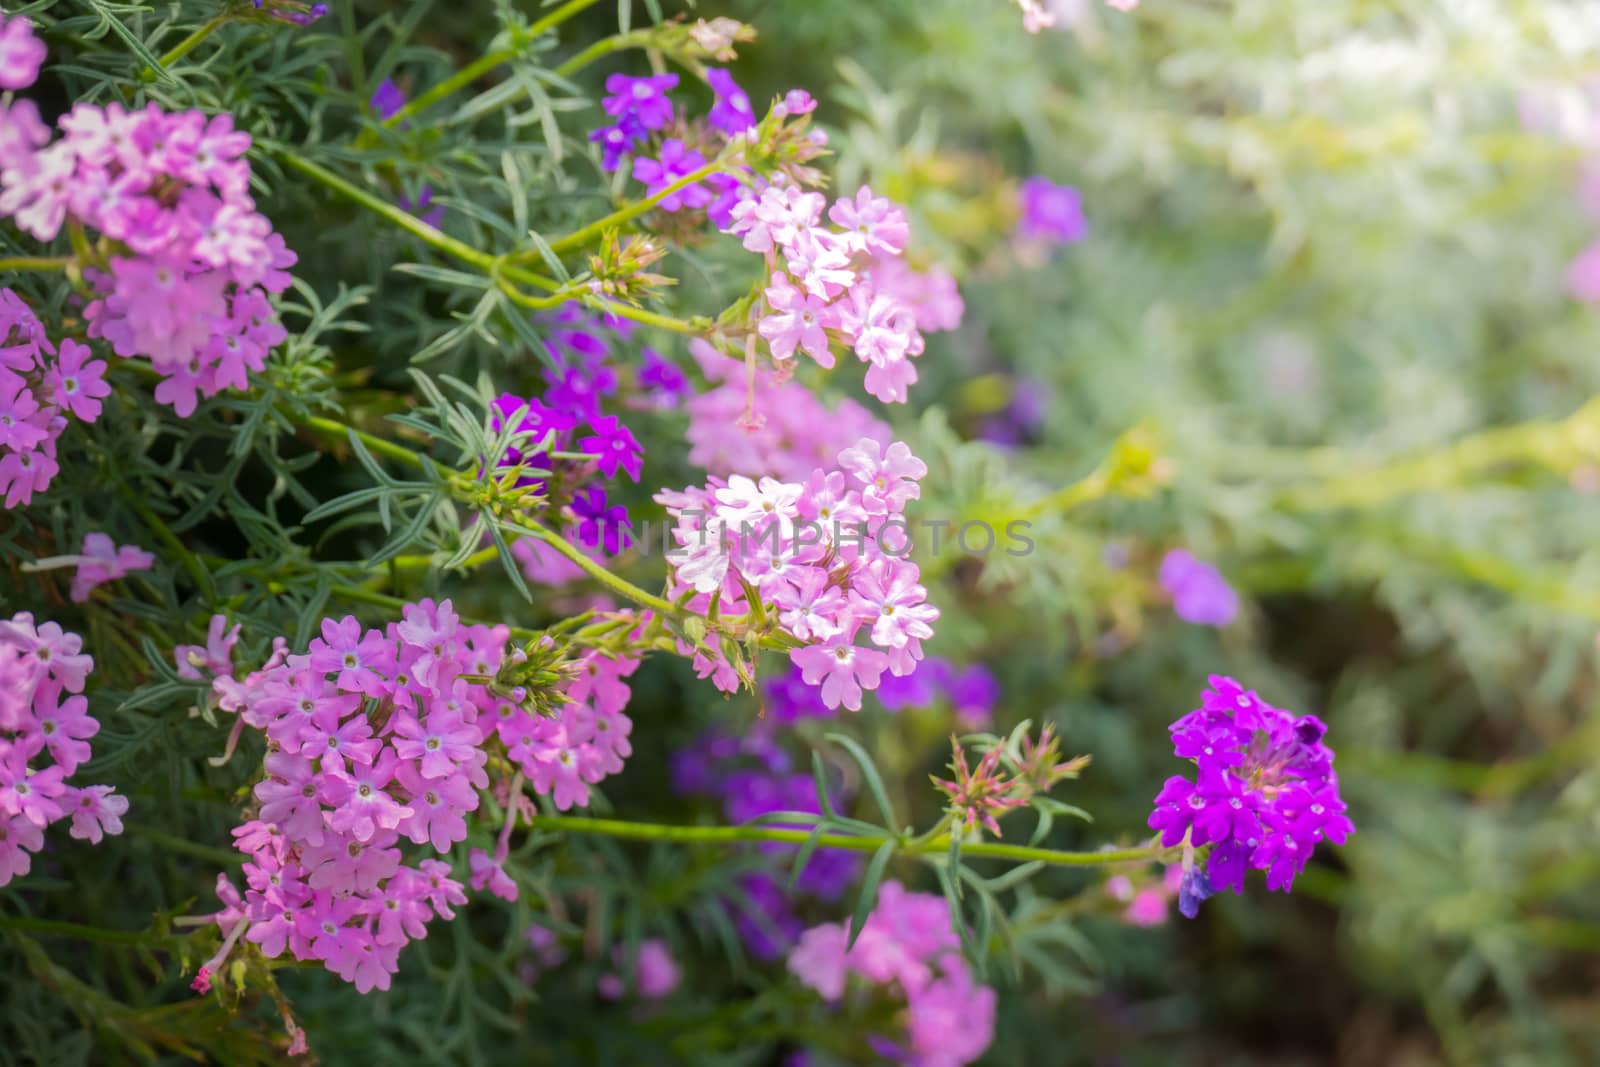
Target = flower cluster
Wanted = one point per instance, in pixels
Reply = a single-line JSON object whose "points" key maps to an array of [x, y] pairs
{"points": [[40, 387], [1143, 900], [183, 274], [1264, 797], [381, 735], [45, 728], [570, 415], [767, 426], [21, 53], [666, 148], [827, 556], [751, 775], [909, 950], [1199, 592], [842, 284]]}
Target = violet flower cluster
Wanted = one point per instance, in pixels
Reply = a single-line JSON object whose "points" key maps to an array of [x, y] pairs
{"points": [[908, 951], [45, 728], [1199, 592], [666, 148], [381, 735], [826, 556], [42, 388], [1265, 795], [842, 284], [571, 415], [187, 262]]}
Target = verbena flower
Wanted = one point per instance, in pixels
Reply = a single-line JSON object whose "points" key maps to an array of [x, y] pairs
{"points": [[191, 261], [383, 736], [1264, 797], [21, 53], [45, 728]]}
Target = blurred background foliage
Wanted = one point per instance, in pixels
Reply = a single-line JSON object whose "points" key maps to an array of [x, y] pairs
{"points": [[1318, 333]]}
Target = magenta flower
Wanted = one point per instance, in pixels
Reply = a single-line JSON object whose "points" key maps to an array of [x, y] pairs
{"points": [[798, 320], [841, 668], [873, 225], [1199, 592], [644, 99], [614, 447], [731, 113], [76, 383], [21, 53], [676, 161], [1051, 212]]}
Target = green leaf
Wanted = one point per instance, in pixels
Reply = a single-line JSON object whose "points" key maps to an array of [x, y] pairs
{"points": [[869, 772], [868, 898]]}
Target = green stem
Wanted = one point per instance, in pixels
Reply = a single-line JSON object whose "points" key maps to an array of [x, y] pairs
{"points": [[603, 47], [376, 444], [189, 43], [621, 586], [939, 845], [691, 327], [580, 237], [164, 534], [35, 263], [426, 562], [483, 65]]}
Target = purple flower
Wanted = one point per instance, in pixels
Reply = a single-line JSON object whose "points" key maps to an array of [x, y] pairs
{"points": [[667, 383], [387, 100], [1265, 795], [676, 161], [731, 113], [601, 526], [618, 140], [644, 99], [1199, 592], [1051, 212], [790, 697], [614, 447]]}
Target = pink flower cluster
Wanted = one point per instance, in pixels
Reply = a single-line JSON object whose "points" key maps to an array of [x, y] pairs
{"points": [[842, 285], [791, 433], [908, 947], [827, 556], [44, 716], [39, 388], [379, 735], [21, 53], [192, 262]]}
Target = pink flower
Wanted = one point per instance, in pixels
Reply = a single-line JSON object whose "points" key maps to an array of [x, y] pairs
{"points": [[76, 383], [888, 477], [887, 594], [356, 656], [216, 655], [870, 224], [798, 320], [105, 561], [362, 806], [842, 669], [815, 608], [489, 873], [97, 811], [21, 53], [776, 217]]}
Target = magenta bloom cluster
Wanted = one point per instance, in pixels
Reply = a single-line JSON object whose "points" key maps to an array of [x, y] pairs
{"points": [[379, 736], [828, 556], [843, 284], [1265, 793], [1200, 594], [45, 728], [42, 389], [908, 951], [191, 263]]}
